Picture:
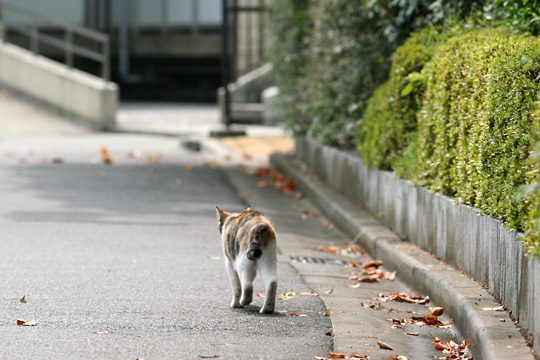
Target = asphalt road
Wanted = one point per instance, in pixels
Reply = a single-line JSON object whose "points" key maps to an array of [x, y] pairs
{"points": [[124, 261]]}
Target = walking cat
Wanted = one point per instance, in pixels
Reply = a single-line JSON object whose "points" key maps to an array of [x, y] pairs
{"points": [[249, 245]]}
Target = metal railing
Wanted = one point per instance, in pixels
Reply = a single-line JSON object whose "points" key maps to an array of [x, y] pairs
{"points": [[66, 44]]}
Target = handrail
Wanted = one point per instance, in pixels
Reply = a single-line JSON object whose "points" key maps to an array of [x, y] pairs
{"points": [[67, 44]]}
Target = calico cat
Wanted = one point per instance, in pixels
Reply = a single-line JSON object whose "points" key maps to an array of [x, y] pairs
{"points": [[249, 245]]}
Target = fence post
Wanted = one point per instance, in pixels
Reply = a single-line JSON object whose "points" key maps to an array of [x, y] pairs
{"points": [[106, 62], [34, 41], [69, 47]]}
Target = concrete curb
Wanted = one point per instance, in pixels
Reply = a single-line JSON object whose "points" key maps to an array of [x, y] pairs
{"points": [[492, 334]]}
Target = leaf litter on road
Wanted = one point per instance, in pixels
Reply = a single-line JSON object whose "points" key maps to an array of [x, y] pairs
{"points": [[384, 346], [21, 322], [350, 250], [106, 157], [404, 297], [336, 355], [280, 182], [287, 295], [452, 350]]}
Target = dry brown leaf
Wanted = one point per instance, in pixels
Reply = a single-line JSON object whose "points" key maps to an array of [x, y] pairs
{"points": [[452, 350], [305, 214], [334, 355], [331, 249], [430, 320], [372, 263], [328, 292], [436, 310], [154, 158], [106, 156], [23, 299], [293, 314], [415, 333], [21, 322], [263, 184], [328, 224], [404, 297], [399, 357], [260, 294], [384, 346]]}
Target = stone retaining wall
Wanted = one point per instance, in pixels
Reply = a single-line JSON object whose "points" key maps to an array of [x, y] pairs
{"points": [[456, 233]]}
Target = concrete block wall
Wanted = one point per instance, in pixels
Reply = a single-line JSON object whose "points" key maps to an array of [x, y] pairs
{"points": [[73, 92], [456, 233]]}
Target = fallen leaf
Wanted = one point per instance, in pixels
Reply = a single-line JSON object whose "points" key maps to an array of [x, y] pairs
{"points": [[106, 156], [372, 305], [134, 154], [327, 312], [404, 297], [384, 346], [354, 286], [334, 355], [154, 158], [436, 310], [21, 322], [399, 357], [331, 249], [263, 184], [287, 295], [260, 294], [305, 214], [430, 320], [264, 172], [328, 224], [23, 299], [416, 333], [452, 350], [368, 279], [309, 293], [372, 263], [328, 292]]}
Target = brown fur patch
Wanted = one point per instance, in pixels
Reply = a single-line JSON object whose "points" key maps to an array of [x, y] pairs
{"points": [[245, 228]]}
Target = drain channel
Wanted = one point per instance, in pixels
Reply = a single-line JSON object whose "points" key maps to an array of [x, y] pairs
{"points": [[320, 261]]}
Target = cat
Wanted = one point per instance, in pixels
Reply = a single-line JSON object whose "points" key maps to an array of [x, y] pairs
{"points": [[249, 245]]}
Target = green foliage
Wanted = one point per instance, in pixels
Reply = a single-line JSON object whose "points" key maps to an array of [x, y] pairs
{"points": [[390, 116], [346, 56], [475, 125], [290, 27], [521, 15]]}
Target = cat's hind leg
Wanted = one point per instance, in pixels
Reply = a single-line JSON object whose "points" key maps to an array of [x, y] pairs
{"points": [[247, 271], [235, 284], [268, 269]]}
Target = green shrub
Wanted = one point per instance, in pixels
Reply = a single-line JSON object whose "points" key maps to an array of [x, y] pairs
{"points": [[390, 115], [476, 126]]}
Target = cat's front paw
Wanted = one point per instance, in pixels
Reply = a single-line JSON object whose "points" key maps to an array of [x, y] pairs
{"points": [[267, 310], [246, 299], [235, 304]]}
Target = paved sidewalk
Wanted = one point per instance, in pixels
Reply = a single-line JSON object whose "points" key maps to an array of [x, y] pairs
{"points": [[356, 329]]}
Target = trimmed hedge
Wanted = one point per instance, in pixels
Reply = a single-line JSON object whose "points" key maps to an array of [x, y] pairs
{"points": [[476, 125], [389, 122], [458, 116]]}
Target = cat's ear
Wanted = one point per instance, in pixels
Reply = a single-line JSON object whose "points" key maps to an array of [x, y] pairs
{"points": [[222, 215]]}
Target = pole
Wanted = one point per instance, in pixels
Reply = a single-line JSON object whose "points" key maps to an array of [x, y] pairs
{"points": [[225, 66]]}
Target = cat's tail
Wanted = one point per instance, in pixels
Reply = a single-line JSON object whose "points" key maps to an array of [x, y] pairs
{"points": [[259, 234]]}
